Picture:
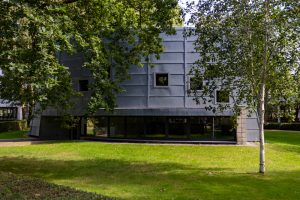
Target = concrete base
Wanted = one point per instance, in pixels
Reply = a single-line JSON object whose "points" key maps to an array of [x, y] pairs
{"points": [[241, 131]]}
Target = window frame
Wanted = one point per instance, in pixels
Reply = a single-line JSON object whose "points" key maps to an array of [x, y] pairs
{"points": [[79, 87], [216, 97], [161, 86], [189, 83], [213, 58]]}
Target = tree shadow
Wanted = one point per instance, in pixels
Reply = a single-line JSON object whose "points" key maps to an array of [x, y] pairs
{"points": [[164, 180]]}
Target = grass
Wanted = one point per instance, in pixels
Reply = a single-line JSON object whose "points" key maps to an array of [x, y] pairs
{"points": [[21, 187], [140, 171], [13, 134]]}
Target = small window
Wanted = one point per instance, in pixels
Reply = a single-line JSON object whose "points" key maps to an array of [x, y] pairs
{"points": [[222, 96], [83, 85], [161, 79], [213, 58], [196, 83]]}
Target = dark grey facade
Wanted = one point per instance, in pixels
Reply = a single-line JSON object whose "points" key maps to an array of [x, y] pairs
{"points": [[145, 96]]}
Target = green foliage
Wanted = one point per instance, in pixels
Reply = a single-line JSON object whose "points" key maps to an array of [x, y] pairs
{"points": [[112, 35], [14, 134], [249, 49], [13, 125], [283, 126], [31, 35], [253, 43]]}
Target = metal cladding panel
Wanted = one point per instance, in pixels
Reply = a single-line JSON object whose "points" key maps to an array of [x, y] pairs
{"points": [[168, 68], [63, 56], [131, 102], [174, 80], [168, 58], [192, 57], [252, 135], [188, 68], [190, 48], [191, 38], [133, 90], [173, 46], [191, 103], [81, 105], [252, 124], [166, 102], [138, 70], [177, 37], [177, 91], [84, 73], [136, 79], [73, 64], [162, 112]]}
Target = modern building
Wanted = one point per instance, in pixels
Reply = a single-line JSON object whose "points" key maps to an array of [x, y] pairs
{"points": [[156, 103]]}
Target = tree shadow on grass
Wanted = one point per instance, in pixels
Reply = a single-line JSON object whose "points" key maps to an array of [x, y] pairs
{"points": [[165, 180]]}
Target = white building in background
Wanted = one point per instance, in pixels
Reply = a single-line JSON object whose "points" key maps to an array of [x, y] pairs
{"points": [[9, 111]]}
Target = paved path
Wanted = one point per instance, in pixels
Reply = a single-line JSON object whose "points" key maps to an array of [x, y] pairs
{"points": [[19, 142]]}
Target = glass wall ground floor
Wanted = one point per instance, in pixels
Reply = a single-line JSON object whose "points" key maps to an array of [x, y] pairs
{"points": [[176, 128]]}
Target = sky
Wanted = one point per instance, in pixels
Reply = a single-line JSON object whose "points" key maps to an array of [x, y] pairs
{"points": [[182, 4]]}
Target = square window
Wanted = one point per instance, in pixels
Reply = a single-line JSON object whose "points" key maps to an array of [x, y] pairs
{"points": [[161, 79], [83, 85], [212, 58], [222, 96], [196, 83]]}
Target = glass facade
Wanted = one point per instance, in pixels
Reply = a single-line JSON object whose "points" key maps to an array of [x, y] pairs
{"points": [[171, 128], [8, 113]]}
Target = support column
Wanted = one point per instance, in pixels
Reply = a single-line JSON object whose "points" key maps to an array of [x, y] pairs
{"points": [[167, 127], [187, 127], [241, 131], [19, 113], [125, 127], [108, 126], [35, 126], [145, 127]]}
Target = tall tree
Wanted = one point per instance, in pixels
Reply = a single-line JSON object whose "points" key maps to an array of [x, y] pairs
{"points": [[255, 47], [112, 35], [30, 37]]}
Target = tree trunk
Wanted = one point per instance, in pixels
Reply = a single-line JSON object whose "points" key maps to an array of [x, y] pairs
{"points": [[278, 114], [30, 114], [262, 167], [297, 112]]}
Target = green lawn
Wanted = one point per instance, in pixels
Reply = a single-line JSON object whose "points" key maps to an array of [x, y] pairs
{"points": [[20, 187], [139, 171], [13, 135]]}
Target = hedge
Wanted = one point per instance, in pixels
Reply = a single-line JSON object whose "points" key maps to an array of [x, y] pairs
{"points": [[13, 125], [283, 126]]}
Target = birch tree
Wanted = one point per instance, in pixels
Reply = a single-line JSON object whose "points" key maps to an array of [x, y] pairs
{"points": [[256, 46]]}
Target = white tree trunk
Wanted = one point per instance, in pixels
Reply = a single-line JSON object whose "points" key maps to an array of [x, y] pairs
{"points": [[262, 167]]}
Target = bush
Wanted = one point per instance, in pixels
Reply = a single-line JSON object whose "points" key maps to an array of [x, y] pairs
{"points": [[19, 125], [283, 126]]}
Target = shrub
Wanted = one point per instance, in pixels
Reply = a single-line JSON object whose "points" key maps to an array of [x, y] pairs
{"points": [[283, 126], [19, 125]]}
